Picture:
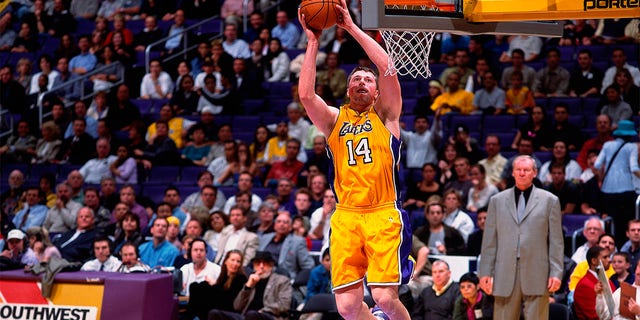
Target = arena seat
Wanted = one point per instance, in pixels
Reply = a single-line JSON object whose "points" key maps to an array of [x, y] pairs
{"points": [[245, 123], [409, 89], [252, 106], [590, 106], [408, 105], [190, 173], [566, 53], [37, 170], [63, 170], [574, 104], [499, 123], [598, 52], [163, 174]]}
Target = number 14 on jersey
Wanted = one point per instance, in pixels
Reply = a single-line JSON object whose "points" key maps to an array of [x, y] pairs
{"points": [[361, 150]]}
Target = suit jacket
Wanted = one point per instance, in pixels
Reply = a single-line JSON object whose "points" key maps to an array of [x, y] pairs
{"points": [[248, 244], [78, 250], [276, 299], [294, 255], [540, 240], [79, 152]]}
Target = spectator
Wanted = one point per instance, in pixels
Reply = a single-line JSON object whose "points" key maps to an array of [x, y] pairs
{"points": [[150, 34], [157, 84], [619, 59], [104, 261], [564, 189], [560, 155], [286, 31], [95, 169], [320, 277], [474, 243], [20, 147], [17, 252], [162, 150], [419, 192], [603, 129], [461, 67], [321, 218], [33, 213], [276, 62], [200, 269], [205, 178], [102, 214], [236, 47], [45, 62], [128, 197], [74, 148], [438, 301], [237, 237], [124, 168], [564, 130], [41, 245], [76, 182], [122, 51], [527, 73], [49, 145], [185, 99], [13, 92], [80, 112], [333, 76], [616, 108], [629, 91], [178, 126], [529, 45], [424, 103], [275, 300], [11, 199], [454, 216], [123, 113], [245, 185], [592, 230], [472, 300], [85, 61], [60, 21], [222, 99], [454, 99], [621, 263], [440, 238], [7, 35], [217, 221], [519, 98], [462, 183], [255, 25], [552, 80], [130, 260], [585, 293], [75, 244], [127, 230], [632, 246], [195, 153], [174, 43], [606, 242], [109, 9], [481, 192], [490, 99], [62, 217], [536, 129], [230, 282], [84, 9], [586, 79], [130, 9], [27, 40], [158, 251], [288, 168], [422, 144]]}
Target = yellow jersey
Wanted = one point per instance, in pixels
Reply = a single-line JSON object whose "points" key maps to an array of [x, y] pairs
{"points": [[365, 157]]}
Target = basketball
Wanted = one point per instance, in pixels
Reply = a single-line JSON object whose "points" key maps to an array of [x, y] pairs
{"points": [[319, 14]]}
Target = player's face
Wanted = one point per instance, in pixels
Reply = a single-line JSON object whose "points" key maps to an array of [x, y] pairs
{"points": [[363, 89]]}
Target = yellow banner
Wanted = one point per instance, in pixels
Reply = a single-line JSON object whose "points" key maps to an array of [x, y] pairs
{"points": [[537, 10]]}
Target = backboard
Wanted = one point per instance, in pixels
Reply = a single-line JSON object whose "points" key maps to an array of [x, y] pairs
{"points": [[445, 16]]}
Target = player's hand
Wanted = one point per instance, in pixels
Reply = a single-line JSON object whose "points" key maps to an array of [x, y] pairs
{"points": [[486, 284], [311, 33], [344, 18], [553, 284]]}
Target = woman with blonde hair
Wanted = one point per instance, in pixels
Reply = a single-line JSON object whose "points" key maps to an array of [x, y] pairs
{"points": [[48, 146], [24, 67], [41, 245]]}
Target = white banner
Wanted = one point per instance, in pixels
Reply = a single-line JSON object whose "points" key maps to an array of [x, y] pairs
{"points": [[16, 311]]}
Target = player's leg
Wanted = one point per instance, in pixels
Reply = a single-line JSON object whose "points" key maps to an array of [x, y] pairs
{"points": [[386, 297], [350, 302]]}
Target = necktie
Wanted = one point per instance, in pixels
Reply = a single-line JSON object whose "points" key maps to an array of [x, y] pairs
{"points": [[102, 267], [521, 206], [24, 219]]}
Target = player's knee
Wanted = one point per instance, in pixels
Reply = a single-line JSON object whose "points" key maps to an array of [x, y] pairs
{"points": [[348, 308]]}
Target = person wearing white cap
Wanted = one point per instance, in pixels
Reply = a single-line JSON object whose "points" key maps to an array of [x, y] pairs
{"points": [[16, 251]]}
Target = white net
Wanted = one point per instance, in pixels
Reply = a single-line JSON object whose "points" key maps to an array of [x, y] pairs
{"points": [[408, 52]]}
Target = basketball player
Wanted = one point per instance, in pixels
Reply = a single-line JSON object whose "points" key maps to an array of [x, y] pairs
{"points": [[369, 231]]}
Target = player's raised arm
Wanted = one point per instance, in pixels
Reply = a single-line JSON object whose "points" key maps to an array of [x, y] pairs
{"points": [[323, 116], [390, 100]]}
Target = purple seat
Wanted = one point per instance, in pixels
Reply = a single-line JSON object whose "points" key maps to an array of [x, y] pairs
{"points": [[409, 89], [190, 174], [574, 104], [145, 106], [245, 123], [164, 174], [500, 123], [408, 105]]}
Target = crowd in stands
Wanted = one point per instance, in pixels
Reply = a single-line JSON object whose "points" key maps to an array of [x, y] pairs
{"points": [[209, 164]]}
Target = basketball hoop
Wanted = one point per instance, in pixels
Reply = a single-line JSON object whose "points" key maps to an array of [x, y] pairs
{"points": [[409, 50]]}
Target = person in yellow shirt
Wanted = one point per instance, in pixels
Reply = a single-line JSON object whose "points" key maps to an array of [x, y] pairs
{"points": [[178, 126], [519, 98], [454, 99]]}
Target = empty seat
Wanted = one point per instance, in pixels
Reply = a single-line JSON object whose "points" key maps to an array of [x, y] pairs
{"points": [[37, 170], [408, 105], [566, 53], [574, 104], [145, 106], [278, 89], [500, 123], [190, 174], [244, 136], [505, 138], [64, 170], [590, 106], [245, 123], [252, 106], [473, 122], [155, 192], [409, 89], [164, 174], [278, 105], [408, 121]]}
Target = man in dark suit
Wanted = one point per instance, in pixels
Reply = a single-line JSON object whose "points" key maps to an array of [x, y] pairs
{"points": [[522, 246], [77, 149], [75, 245], [245, 82]]}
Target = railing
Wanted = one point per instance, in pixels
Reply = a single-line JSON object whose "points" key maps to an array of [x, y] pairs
{"points": [[5, 115], [578, 232], [81, 81], [185, 41]]}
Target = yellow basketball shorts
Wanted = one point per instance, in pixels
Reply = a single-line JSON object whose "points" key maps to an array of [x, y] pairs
{"points": [[371, 241]]}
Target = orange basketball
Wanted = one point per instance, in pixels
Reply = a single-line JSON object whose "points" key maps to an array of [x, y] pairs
{"points": [[319, 14]]}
